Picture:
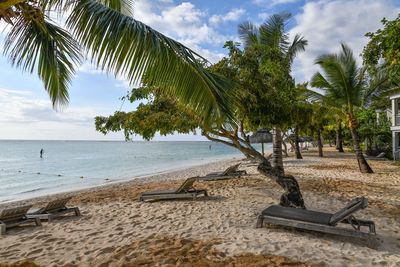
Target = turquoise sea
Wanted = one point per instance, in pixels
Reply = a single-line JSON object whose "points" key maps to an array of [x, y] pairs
{"points": [[70, 165]]}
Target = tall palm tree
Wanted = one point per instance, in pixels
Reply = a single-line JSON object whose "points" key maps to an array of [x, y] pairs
{"points": [[346, 87], [275, 47], [105, 33], [275, 57]]}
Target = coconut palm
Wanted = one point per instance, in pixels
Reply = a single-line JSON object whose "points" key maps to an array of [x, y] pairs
{"points": [[273, 42], [105, 33], [347, 87]]}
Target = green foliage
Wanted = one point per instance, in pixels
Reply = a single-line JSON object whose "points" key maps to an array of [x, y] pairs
{"points": [[377, 134], [157, 113], [51, 50], [262, 85], [272, 57], [346, 86], [384, 44]]}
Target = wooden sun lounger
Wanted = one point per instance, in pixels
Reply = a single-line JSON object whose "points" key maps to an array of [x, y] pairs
{"points": [[15, 216], [54, 209], [230, 172], [185, 191], [321, 221]]}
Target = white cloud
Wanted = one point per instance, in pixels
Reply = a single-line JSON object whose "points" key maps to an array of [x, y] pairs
{"points": [[233, 15], [185, 23], [23, 117], [325, 24], [263, 15]]}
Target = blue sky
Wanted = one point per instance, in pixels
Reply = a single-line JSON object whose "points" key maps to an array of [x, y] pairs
{"points": [[204, 26]]}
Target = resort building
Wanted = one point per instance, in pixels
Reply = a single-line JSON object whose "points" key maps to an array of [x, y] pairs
{"points": [[396, 125]]}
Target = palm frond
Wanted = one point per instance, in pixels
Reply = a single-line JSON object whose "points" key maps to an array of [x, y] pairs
{"points": [[64, 6], [42, 46], [272, 31], [124, 46], [248, 33], [298, 45]]}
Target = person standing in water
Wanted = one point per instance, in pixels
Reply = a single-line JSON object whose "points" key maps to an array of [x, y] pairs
{"points": [[41, 153]]}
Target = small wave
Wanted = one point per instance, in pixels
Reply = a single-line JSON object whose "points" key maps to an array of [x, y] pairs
{"points": [[31, 190]]}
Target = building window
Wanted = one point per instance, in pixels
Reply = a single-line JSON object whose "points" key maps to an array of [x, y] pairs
{"points": [[398, 140], [398, 107]]}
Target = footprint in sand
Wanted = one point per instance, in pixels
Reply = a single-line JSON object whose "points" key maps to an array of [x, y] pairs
{"points": [[34, 252], [105, 251]]}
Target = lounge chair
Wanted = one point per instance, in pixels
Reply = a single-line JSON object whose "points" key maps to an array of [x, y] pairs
{"points": [[321, 221], [230, 172], [54, 209], [14, 217], [185, 191]]}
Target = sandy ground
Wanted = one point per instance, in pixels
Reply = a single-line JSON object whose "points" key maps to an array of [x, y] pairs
{"points": [[118, 230]]}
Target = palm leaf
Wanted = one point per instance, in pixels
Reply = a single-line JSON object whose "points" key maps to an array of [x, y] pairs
{"points": [[298, 45], [248, 33], [42, 46], [272, 32], [124, 46]]}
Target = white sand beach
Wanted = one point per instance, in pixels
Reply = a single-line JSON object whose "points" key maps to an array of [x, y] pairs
{"points": [[116, 229]]}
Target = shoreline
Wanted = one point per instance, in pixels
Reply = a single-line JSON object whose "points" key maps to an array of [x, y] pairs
{"points": [[168, 175], [116, 229]]}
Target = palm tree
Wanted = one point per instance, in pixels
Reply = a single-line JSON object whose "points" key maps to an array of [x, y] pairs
{"points": [[105, 33], [275, 55], [347, 87], [275, 47]]}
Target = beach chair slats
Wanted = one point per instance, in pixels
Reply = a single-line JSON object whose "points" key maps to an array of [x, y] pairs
{"points": [[321, 221], [352, 207], [231, 172], [15, 216], [57, 204], [185, 191], [14, 213], [231, 169], [54, 209], [187, 185], [298, 214]]}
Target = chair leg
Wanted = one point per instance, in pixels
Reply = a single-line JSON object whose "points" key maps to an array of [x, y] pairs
{"points": [[2, 228], [77, 211], [260, 221], [38, 222]]}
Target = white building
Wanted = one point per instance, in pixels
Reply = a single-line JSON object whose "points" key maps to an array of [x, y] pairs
{"points": [[396, 125]]}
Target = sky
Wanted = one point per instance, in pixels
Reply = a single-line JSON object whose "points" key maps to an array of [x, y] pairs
{"points": [[202, 25]]}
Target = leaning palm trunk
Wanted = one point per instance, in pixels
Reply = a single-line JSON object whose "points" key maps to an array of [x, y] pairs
{"points": [[292, 196], [285, 149], [277, 159], [339, 137], [297, 146], [362, 162], [320, 145]]}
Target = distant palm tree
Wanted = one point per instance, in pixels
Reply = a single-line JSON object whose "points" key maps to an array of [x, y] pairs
{"points": [[347, 87], [115, 43], [274, 44]]}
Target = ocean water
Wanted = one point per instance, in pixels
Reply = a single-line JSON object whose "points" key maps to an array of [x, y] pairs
{"points": [[70, 165]]}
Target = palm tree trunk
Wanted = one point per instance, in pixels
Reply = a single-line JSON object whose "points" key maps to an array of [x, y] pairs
{"points": [[292, 196], [285, 149], [320, 145], [297, 146], [362, 162], [339, 137], [277, 160]]}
